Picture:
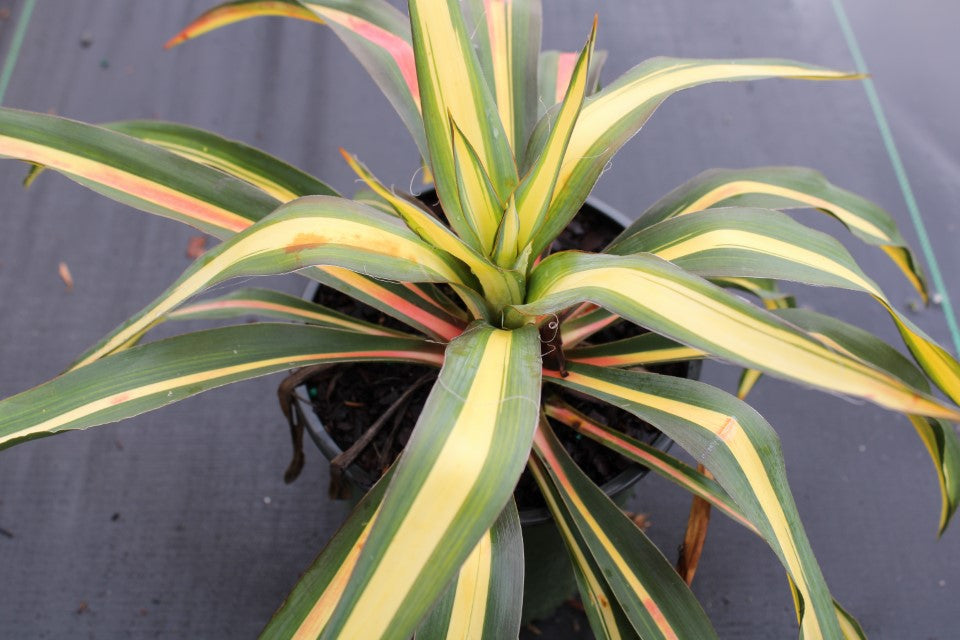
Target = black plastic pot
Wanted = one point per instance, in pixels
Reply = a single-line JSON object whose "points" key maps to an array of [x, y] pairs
{"points": [[549, 579]]}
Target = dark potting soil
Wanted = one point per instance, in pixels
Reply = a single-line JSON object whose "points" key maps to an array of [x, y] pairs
{"points": [[349, 398]]}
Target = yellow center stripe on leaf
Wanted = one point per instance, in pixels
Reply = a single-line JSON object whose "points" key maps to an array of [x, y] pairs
{"points": [[740, 187], [473, 585], [595, 586], [224, 15], [325, 605], [126, 182], [500, 27], [218, 162], [732, 435], [611, 107], [288, 234], [764, 345], [450, 76], [172, 384], [543, 449], [758, 243], [448, 484]]}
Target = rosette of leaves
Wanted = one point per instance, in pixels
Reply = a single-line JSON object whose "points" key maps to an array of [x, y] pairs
{"points": [[514, 139]]}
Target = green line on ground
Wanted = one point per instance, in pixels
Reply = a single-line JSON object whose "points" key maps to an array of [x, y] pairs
{"points": [[901, 173], [15, 44]]}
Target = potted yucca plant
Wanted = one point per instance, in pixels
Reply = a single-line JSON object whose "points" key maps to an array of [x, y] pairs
{"points": [[434, 549]]}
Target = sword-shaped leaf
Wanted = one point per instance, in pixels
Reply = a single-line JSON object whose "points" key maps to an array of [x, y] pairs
{"points": [[652, 595], [647, 348], [452, 87], [536, 189], [606, 616], [279, 306], [787, 188], [308, 231], [499, 286], [454, 478], [664, 298], [663, 464], [742, 451], [308, 607], [150, 376], [742, 242], [554, 71], [938, 436], [376, 33], [134, 172], [277, 178], [479, 202], [616, 113], [485, 598], [507, 37]]}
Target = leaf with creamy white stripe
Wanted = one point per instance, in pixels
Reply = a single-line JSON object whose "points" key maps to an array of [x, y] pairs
{"points": [[763, 243], [741, 450], [483, 601], [268, 303], [134, 172], [938, 436], [651, 594], [272, 175], [455, 476], [506, 34], [153, 375], [309, 231], [666, 299], [788, 188], [452, 87], [376, 33], [615, 114]]}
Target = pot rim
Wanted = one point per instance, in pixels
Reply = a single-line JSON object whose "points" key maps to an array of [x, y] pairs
{"points": [[616, 485]]}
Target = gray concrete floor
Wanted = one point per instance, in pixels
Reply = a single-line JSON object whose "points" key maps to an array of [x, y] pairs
{"points": [[177, 524]]}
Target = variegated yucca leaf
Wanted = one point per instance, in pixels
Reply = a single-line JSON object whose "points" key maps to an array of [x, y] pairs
{"points": [[555, 70], [268, 303], [663, 464], [668, 467], [666, 299], [644, 349], [585, 322], [615, 114], [938, 436], [787, 188], [484, 600], [308, 607], [374, 31], [746, 242], [159, 181], [506, 34], [308, 231], [741, 450], [273, 176], [536, 189], [455, 476], [453, 91], [499, 286], [652, 596], [607, 618], [150, 376], [133, 172]]}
